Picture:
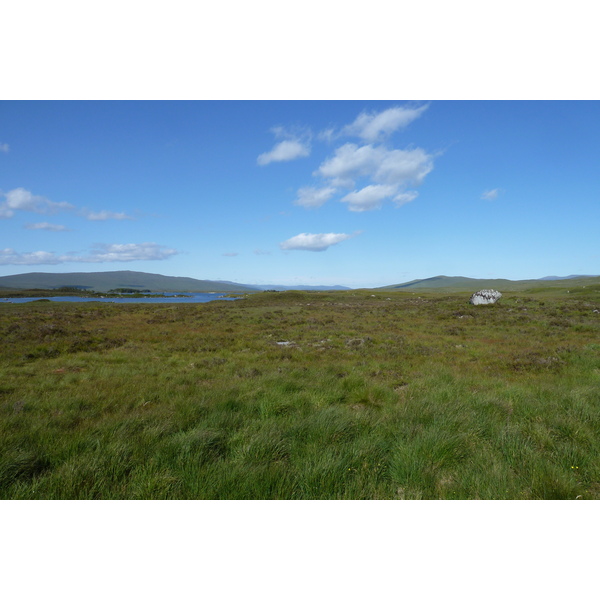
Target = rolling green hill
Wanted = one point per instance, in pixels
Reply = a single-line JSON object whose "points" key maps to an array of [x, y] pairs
{"points": [[103, 282], [457, 284]]}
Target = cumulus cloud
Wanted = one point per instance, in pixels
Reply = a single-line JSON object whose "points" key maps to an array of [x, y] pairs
{"points": [[311, 197], [370, 197], [395, 167], [46, 226], [349, 162], [314, 242], [372, 127], [369, 172], [404, 167], [490, 194], [284, 151], [100, 253], [105, 215], [22, 199], [4, 147], [391, 171]]}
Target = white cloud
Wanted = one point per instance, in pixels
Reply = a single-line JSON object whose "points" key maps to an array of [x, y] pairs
{"points": [[4, 148], [405, 198], [128, 252], [395, 167], [314, 242], [284, 151], [349, 162], [100, 253], [9, 257], [490, 194], [46, 226], [311, 197], [370, 171], [22, 199], [370, 197], [105, 215], [404, 167], [327, 135], [372, 127]]}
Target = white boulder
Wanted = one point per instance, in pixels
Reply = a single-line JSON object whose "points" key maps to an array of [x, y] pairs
{"points": [[485, 297]]}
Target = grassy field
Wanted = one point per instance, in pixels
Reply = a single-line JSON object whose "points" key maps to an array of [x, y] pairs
{"points": [[303, 395]]}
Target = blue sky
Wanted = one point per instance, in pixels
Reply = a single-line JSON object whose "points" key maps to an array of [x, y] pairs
{"points": [[357, 193]]}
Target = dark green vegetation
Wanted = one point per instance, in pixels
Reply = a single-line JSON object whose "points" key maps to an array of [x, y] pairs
{"points": [[373, 395], [6, 293]]}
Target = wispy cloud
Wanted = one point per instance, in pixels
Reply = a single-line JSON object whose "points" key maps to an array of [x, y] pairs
{"points": [[396, 167], [405, 198], [128, 252], [370, 197], [387, 172], [284, 151], [314, 242], [260, 252], [230, 254], [311, 197], [490, 194], [22, 199], [104, 215], [365, 174], [46, 226], [4, 147], [9, 257], [100, 253], [5, 212], [373, 127], [350, 162]]}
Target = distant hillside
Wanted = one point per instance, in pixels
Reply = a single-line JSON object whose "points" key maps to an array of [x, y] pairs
{"points": [[109, 280], [555, 278], [441, 282], [310, 288]]}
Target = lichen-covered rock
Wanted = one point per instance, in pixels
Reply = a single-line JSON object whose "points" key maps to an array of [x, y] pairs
{"points": [[485, 297]]}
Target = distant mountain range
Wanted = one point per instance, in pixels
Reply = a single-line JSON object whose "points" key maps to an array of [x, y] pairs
{"points": [[135, 280], [312, 288], [554, 278], [466, 283]]}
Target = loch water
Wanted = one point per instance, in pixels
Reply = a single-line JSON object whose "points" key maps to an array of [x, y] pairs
{"points": [[172, 299]]}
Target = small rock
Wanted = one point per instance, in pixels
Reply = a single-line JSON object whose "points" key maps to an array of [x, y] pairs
{"points": [[485, 297]]}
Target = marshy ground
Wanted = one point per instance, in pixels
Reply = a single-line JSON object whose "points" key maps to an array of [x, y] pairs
{"points": [[303, 395]]}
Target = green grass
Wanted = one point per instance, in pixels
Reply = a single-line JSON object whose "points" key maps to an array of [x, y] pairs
{"points": [[379, 395]]}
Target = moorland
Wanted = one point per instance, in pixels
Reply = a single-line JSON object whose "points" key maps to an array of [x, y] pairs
{"points": [[372, 394]]}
